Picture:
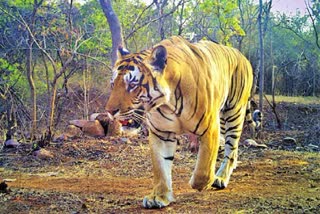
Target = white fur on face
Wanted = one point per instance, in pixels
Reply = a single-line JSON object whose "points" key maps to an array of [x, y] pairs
{"points": [[132, 78], [114, 76]]}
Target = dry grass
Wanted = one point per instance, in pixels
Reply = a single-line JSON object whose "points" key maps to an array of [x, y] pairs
{"points": [[301, 100]]}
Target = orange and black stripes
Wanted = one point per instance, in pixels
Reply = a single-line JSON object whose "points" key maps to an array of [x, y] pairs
{"points": [[201, 88]]}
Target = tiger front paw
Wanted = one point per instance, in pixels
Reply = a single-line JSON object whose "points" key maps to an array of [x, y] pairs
{"points": [[157, 202]]}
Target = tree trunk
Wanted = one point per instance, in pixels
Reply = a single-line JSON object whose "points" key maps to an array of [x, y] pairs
{"points": [[54, 88], [181, 21], [32, 89], [114, 26], [29, 68], [240, 38], [261, 60], [160, 5], [11, 119]]}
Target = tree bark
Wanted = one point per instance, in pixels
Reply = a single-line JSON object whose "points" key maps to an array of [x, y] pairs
{"points": [[54, 88], [115, 28], [32, 90], [29, 68], [160, 7], [261, 55]]}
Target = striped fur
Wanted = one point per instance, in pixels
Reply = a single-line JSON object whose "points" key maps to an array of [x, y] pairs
{"points": [[184, 88]]}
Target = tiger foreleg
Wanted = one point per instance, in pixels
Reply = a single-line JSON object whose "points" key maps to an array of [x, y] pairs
{"points": [[162, 152], [203, 175]]}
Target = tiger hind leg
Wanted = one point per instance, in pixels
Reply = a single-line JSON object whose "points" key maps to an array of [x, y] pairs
{"points": [[234, 119]]}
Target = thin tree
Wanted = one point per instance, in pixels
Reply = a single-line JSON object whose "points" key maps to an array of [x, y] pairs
{"points": [[261, 55], [115, 28], [29, 67], [160, 7], [314, 17]]}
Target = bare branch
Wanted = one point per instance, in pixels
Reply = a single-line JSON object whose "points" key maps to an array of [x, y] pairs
{"points": [[313, 24], [36, 42], [140, 15], [153, 20]]}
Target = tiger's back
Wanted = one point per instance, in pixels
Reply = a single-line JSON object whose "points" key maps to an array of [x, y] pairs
{"points": [[202, 76]]}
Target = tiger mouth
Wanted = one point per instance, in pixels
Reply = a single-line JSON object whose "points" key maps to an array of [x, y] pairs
{"points": [[129, 124], [132, 120]]}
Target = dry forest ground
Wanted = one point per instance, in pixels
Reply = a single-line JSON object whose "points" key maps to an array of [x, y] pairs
{"points": [[112, 174]]}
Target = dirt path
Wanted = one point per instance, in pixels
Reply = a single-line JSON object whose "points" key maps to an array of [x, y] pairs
{"points": [[101, 176]]}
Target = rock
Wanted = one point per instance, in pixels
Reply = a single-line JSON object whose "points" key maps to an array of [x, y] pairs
{"points": [[249, 142], [11, 143], [253, 143], [42, 154], [311, 146], [289, 140]]}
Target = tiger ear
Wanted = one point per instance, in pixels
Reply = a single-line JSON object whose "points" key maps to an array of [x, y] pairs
{"points": [[159, 58], [122, 52]]}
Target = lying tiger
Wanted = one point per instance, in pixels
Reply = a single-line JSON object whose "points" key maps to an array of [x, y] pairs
{"points": [[180, 87]]}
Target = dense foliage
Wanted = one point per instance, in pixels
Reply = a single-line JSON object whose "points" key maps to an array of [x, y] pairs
{"points": [[57, 45]]}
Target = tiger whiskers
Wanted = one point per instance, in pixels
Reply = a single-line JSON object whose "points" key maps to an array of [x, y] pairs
{"points": [[134, 114], [139, 118]]}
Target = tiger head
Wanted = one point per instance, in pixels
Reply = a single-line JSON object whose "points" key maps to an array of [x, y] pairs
{"points": [[137, 84]]}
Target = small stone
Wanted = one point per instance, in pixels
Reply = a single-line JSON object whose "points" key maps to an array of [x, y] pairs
{"points": [[124, 139], [289, 140], [253, 143], [11, 143], [249, 142], [313, 146], [42, 154]]}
